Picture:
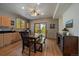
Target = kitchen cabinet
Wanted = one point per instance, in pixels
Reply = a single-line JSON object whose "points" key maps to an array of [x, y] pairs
{"points": [[7, 38], [18, 37], [5, 21], [15, 37], [0, 20], [1, 40], [10, 38]]}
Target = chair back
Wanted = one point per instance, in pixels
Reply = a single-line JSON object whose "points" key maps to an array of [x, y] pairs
{"points": [[24, 36]]}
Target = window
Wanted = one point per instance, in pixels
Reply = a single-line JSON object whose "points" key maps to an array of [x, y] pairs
{"points": [[20, 23]]}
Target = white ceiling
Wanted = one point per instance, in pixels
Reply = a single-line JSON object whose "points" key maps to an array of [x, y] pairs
{"points": [[49, 9]]}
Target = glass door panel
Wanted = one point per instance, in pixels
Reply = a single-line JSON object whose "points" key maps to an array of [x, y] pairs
{"points": [[37, 28], [43, 29]]}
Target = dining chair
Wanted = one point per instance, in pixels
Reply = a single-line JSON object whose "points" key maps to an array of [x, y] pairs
{"points": [[25, 41], [40, 43]]}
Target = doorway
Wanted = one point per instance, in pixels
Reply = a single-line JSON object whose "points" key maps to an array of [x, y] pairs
{"points": [[40, 28]]}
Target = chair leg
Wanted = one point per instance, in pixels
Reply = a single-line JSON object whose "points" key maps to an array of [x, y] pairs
{"points": [[41, 47], [29, 51], [22, 48]]}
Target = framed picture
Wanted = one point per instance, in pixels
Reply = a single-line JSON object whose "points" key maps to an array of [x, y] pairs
{"points": [[69, 24], [52, 26]]}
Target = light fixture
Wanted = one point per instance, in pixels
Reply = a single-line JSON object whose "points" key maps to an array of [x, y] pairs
{"points": [[34, 13], [23, 7]]}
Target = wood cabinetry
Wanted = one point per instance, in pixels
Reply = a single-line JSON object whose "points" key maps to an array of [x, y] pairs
{"points": [[5, 21], [9, 38], [0, 20], [70, 46], [18, 36], [15, 37], [1, 40]]}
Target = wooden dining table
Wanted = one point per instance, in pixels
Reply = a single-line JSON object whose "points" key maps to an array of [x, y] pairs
{"points": [[34, 39]]}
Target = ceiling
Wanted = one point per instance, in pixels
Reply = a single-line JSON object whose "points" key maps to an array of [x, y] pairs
{"points": [[53, 10]]}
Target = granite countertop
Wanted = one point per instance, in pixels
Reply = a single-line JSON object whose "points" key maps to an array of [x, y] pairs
{"points": [[6, 31]]}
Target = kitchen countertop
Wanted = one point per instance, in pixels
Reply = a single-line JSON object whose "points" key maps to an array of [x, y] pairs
{"points": [[6, 31]]}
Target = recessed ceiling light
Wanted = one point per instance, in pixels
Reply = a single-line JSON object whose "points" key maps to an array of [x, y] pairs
{"points": [[23, 7]]}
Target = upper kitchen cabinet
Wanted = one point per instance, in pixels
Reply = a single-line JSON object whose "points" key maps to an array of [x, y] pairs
{"points": [[5, 21]]}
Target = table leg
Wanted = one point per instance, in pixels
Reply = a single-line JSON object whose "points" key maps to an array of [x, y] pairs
{"points": [[35, 46]]}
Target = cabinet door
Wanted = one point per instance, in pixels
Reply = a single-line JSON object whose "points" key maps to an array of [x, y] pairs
{"points": [[0, 20], [18, 36], [3, 21], [70, 45], [7, 38], [1, 40], [14, 37], [6, 21]]}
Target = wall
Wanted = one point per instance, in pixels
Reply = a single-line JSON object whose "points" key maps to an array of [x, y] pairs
{"points": [[51, 33], [73, 13]]}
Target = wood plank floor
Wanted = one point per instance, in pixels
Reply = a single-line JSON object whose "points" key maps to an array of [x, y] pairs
{"points": [[50, 49]]}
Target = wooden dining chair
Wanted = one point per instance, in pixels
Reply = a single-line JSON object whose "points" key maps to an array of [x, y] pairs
{"points": [[25, 41], [40, 43]]}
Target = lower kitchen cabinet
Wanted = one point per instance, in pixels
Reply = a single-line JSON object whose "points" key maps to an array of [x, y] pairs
{"points": [[1, 40], [9, 38]]}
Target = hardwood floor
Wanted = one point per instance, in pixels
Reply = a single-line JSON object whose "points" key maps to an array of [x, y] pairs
{"points": [[50, 49]]}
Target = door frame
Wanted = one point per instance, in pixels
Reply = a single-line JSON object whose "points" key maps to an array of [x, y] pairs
{"points": [[39, 27]]}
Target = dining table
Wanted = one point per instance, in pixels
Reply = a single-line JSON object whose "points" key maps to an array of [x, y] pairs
{"points": [[34, 38]]}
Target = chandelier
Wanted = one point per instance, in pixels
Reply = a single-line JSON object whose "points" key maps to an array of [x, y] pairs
{"points": [[35, 13]]}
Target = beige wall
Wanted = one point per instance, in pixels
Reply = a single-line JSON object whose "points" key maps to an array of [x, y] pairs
{"points": [[51, 33], [71, 13]]}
